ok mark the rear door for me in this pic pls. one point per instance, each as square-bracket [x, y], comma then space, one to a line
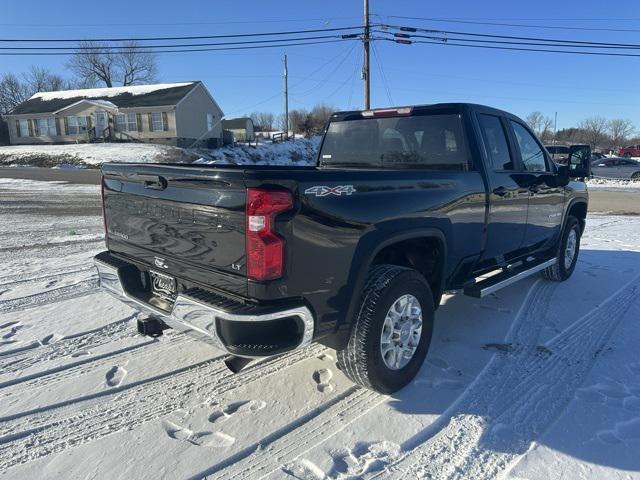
[546, 199]
[508, 201]
[181, 221]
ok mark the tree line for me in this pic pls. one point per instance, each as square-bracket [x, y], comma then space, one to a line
[596, 131]
[301, 121]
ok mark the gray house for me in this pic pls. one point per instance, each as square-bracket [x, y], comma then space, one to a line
[170, 113]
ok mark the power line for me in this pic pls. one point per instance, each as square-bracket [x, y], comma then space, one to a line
[228, 22]
[179, 45]
[552, 27]
[512, 42]
[382, 74]
[190, 37]
[188, 50]
[510, 37]
[573, 52]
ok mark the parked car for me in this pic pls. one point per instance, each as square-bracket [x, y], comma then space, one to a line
[355, 252]
[560, 153]
[597, 156]
[631, 151]
[616, 167]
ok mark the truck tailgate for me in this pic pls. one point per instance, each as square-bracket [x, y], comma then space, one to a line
[184, 221]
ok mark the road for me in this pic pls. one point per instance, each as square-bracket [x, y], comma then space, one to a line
[600, 201]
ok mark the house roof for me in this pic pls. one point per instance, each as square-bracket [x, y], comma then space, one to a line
[123, 97]
[236, 123]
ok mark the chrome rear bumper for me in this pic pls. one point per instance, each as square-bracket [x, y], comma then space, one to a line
[196, 318]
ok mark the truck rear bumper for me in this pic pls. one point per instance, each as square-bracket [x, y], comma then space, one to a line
[265, 332]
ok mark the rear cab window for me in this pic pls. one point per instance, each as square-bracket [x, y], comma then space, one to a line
[426, 141]
[495, 142]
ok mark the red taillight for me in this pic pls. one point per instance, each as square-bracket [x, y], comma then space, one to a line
[265, 248]
[104, 214]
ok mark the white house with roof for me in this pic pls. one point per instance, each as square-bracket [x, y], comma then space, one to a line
[181, 114]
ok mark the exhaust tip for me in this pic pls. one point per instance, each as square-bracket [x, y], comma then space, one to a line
[236, 364]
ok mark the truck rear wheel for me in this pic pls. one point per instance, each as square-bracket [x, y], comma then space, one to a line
[392, 330]
[568, 251]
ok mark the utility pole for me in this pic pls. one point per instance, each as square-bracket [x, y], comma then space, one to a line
[555, 127]
[286, 97]
[365, 66]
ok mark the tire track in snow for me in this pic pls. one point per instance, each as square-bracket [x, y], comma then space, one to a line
[79, 289]
[67, 346]
[26, 385]
[291, 441]
[515, 399]
[31, 435]
[20, 278]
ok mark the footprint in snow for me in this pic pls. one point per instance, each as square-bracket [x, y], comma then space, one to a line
[12, 332]
[364, 460]
[81, 353]
[322, 378]
[202, 439]
[115, 376]
[236, 408]
[8, 324]
[49, 339]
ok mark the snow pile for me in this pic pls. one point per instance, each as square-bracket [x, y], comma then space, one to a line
[107, 92]
[301, 152]
[91, 154]
[613, 184]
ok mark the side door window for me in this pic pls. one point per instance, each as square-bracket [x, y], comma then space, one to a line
[532, 155]
[495, 141]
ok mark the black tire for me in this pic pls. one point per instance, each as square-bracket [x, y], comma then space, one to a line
[627, 155]
[560, 272]
[635, 177]
[362, 360]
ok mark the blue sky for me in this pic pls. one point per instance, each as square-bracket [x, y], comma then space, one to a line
[574, 86]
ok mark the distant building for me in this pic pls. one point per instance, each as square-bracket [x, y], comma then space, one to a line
[168, 113]
[242, 128]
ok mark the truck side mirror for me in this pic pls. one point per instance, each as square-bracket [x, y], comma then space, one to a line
[579, 162]
[562, 177]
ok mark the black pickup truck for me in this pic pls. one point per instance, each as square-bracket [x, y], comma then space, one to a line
[355, 252]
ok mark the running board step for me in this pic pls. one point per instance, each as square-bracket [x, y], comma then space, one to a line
[492, 284]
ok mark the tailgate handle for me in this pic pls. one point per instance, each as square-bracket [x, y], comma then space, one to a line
[158, 183]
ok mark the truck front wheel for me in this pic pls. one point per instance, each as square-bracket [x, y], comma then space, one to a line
[567, 254]
[392, 330]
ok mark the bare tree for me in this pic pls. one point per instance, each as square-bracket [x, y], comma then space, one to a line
[39, 79]
[266, 121]
[320, 116]
[12, 92]
[97, 62]
[594, 129]
[136, 66]
[540, 124]
[620, 129]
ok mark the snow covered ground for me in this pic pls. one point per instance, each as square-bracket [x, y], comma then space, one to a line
[299, 152]
[91, 154]
[539, 381]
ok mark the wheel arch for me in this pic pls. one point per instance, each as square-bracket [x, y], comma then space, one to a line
[367, 251]
[578, 208]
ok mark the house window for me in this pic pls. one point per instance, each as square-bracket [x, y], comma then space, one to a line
[127, 122]
[77, 125]
[47, 127]
[157, 123]
[210, 124]
[24, 128]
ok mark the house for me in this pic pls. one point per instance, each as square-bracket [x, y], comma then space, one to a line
[181, 114]
[242, 128]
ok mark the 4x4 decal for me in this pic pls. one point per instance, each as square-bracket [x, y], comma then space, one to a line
[323, 190]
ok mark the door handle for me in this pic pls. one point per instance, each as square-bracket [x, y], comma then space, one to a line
[500, 191]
